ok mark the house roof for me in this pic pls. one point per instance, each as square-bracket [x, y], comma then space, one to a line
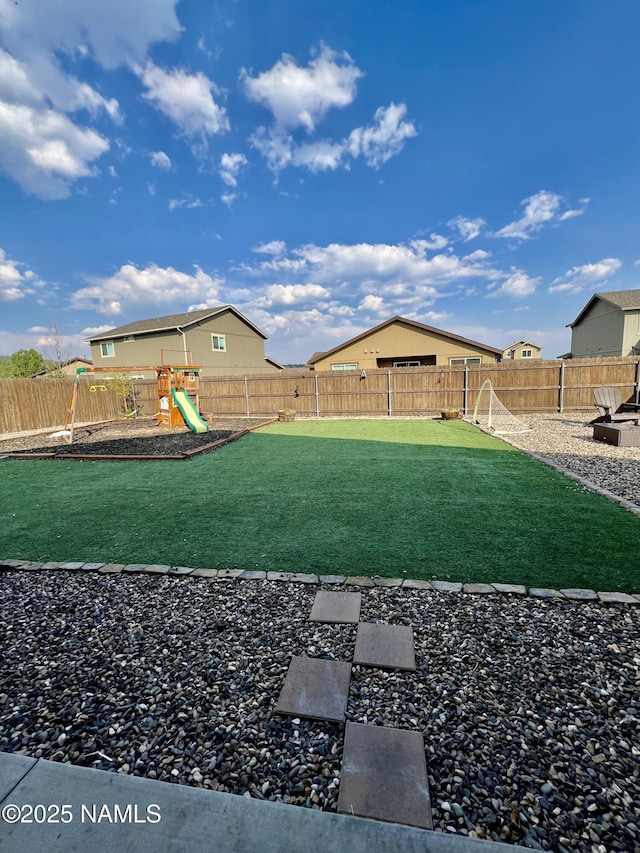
[66, 363]
[275, 363]
[625, 300]
[170, 323]
[524, 343]
[317, 356]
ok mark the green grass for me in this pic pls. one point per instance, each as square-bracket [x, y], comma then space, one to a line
[415, 498]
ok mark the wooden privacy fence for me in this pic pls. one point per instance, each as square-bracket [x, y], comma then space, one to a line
[33, 404]
[536, 386]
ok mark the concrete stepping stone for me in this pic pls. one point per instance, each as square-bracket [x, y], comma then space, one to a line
[385, 646]
[315, 688]
[343, 607]
[384, 776]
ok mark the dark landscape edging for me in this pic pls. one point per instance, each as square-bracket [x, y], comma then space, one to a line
[226, 575]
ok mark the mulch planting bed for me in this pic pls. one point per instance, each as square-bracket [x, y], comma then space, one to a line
[130, 439]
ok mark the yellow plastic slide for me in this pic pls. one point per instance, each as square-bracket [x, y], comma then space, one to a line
[189, 412]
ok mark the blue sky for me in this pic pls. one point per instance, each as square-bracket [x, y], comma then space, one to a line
[470, 164]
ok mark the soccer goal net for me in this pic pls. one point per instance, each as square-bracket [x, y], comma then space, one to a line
[490, 414]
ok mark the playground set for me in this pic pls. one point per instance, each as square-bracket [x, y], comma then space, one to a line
[178, 398]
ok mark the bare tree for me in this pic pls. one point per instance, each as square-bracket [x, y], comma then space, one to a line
[57, 352]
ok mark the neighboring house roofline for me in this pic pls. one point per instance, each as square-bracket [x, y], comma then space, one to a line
[523, 343]
[315, 357]
[397, 319]
[170, 323]
[274, 362]
[64, 363]
[625, 300]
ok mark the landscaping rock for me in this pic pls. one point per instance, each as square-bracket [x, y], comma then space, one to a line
[528, 708]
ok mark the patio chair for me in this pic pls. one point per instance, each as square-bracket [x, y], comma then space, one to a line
[610, 407]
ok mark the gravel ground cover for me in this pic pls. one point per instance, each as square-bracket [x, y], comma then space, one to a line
[129, 438]
[529, 709]
[567, 439]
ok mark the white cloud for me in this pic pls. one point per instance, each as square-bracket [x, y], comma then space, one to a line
[188, 202]
[16, 279]
[543, 208]
[382, 279]
[539, 209]
[161, 160]
[41, 149]
[275, 247]
[518, 285]
[230, 165]
[131, 287]
[228, 198]
[468, 229]
[318, 156]
[292, 294]
[478, 255]
[301, 96]
[112, 34]
[578, 278]
[569, 214]
[435, 241]
[90, 331]
[383, 140]
[434, 316]
[373, 304]
[186, 99]
[393, 265]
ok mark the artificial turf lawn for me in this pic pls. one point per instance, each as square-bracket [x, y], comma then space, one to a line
[407, 498]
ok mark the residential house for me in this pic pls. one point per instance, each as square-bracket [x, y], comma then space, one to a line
[608, 325]
[67, 368]
[221, 340]
[521, 349]
[399, 342]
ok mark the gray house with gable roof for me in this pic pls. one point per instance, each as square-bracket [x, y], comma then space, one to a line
[221, 340]
[608, 325]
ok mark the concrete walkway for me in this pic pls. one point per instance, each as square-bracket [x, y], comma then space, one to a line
[81, 809]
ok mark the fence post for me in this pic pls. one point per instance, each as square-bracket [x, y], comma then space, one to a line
[561, 388]
[465, 390]
[315, 376]
[246, 394]
[388, 393]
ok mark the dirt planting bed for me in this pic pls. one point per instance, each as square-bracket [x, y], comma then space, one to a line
[135, 439]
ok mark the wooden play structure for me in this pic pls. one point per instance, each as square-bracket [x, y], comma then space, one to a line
[178, 399]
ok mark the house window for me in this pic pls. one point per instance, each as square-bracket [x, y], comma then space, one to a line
[406, 364]
[218, 343]
[107, 349]
[527, 353]
[344, 367]
[473, 360]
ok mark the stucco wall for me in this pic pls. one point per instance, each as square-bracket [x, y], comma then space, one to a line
[600, 332]
[244, 349]
[401, 342]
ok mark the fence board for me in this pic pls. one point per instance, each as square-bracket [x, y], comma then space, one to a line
[28, 404]
[32, 404]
